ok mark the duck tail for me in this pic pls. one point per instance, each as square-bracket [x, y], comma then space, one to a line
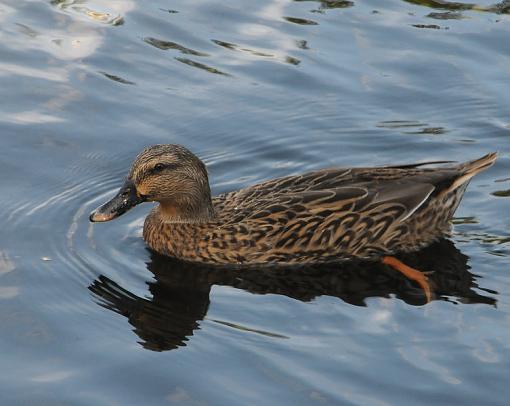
[478, 165]
[472, 168]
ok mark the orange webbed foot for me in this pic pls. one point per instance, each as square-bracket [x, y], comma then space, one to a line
[411, 273]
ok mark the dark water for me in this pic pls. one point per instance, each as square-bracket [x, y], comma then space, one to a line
[258, 89]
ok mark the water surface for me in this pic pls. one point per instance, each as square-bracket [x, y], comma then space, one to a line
[258, 90]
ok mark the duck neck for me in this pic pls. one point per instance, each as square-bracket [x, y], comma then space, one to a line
[186, 210]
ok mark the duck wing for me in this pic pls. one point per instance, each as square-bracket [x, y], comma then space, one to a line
[336, 222]
[365, 197]
[342, 213]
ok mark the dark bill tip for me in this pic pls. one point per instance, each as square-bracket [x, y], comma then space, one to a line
[123, 201]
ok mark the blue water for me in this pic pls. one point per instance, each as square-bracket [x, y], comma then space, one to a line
[257, 89]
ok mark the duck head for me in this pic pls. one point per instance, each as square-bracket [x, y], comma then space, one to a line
[169, 174]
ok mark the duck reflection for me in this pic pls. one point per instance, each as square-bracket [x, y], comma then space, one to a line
[180, 291]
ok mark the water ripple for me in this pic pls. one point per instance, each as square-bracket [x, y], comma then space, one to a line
[368, 89]
[165, 45]
[502, 7]
[201, 66]
[258, 53]
[77, 8]
[117, 79]
[300, 21]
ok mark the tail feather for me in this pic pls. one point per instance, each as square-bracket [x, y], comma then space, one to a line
[480, 164]
[471, 168]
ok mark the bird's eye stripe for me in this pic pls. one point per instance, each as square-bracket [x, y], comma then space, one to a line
[160, 166]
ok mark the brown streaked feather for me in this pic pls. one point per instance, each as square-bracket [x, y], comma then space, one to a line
[472, 168]
[322, 216]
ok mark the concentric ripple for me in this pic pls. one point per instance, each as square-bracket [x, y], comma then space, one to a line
[257, 89]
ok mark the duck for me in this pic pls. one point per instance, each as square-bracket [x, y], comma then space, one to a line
[329, 215]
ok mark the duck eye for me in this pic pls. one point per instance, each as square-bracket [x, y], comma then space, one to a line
[159, 167]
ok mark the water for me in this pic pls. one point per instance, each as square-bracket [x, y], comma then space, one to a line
[258, 90]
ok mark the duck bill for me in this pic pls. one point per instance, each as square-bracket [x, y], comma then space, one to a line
[124, 200]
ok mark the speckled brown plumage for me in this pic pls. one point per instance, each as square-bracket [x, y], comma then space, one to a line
[323, 216]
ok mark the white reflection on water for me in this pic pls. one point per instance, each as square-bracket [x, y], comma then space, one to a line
[420, 358]
[51, 74]
[6, 264]
[70, 39]
[280, 42]
[52, 376]
[8, 292]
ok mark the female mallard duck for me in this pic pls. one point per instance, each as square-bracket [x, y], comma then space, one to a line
[323, 216]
